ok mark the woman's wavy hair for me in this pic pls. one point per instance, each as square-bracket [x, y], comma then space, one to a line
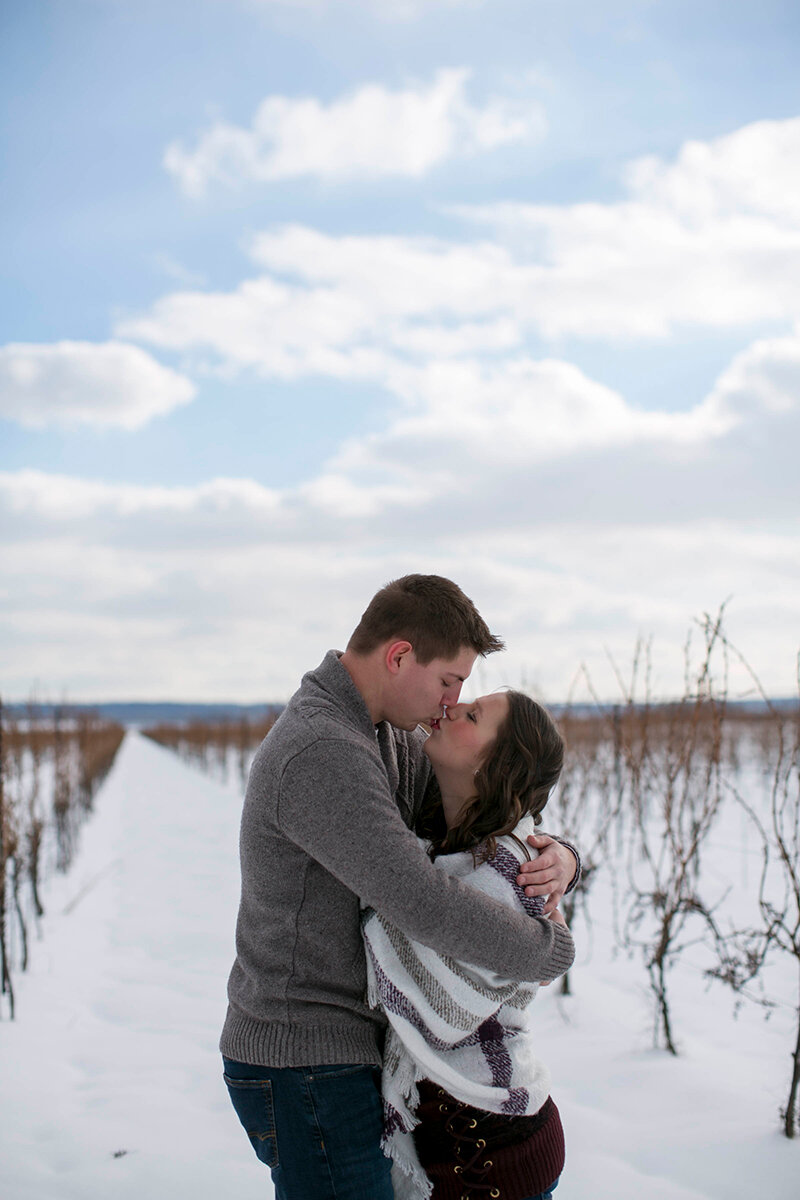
[516, 777]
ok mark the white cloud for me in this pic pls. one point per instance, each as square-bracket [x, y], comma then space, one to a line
[88, 383]
[696, 244]
[507, 430]
[38, 504]
[525, 443]
[541, 491]
[360, 305]
[284, 331]
[104, 610]
[510, 442]
[764, 376]
[756, 170]
[370, 133]
[528, 412]
[712, 239]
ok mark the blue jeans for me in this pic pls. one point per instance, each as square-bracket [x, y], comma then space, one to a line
[548, 1194]
[318, 1129]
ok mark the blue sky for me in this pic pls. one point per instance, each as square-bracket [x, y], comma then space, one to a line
[297, 297]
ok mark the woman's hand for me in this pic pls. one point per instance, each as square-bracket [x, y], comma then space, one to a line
[550, 873]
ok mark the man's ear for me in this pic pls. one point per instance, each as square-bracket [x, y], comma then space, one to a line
[394, 655]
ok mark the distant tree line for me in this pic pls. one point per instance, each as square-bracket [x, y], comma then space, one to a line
[213, 745]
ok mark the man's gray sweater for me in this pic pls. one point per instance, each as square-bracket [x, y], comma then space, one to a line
[326, 821]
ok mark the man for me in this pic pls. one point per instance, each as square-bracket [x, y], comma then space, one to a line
[332, 794]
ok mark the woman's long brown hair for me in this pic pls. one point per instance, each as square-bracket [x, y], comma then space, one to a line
[516, 777]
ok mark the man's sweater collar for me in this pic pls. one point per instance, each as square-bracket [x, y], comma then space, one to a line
[335, 680]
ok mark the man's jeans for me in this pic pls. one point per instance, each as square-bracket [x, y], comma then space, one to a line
[318, 1129]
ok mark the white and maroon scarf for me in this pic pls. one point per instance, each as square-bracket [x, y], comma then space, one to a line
[463, 1027]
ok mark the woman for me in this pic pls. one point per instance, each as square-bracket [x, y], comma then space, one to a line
[459, 1064]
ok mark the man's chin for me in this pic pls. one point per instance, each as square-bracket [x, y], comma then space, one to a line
[410, 725]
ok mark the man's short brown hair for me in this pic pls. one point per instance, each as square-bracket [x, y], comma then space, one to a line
[430, 612]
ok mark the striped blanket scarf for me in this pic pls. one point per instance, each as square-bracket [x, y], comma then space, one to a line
[462, 1027]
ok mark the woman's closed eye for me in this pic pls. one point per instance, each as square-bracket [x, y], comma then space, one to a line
[472, 717]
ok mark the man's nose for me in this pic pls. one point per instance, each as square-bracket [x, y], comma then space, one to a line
[450, 696]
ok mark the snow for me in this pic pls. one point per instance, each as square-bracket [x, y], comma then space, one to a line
[114, 1047]
[111, 1078]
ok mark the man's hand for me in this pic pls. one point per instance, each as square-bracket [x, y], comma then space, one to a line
[550, 873]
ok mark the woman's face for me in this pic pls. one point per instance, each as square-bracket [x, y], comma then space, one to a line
[463, 737]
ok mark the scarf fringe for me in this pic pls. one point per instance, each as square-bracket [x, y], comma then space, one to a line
[409, 1180]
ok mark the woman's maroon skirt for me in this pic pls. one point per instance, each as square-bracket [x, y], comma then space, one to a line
[470, 1154]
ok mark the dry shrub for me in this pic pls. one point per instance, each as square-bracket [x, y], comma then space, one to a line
[75, 753]
[209, 744]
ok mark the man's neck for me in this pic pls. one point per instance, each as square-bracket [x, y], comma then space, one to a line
[362, 672]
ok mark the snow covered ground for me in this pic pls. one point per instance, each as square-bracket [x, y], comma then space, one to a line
[111, 1086]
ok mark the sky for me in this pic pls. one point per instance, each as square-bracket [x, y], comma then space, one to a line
[299, 296]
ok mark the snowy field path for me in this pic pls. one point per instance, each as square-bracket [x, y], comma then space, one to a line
[115, 1043]
[110, 1084]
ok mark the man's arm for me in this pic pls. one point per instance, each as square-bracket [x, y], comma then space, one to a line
[341, 813]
